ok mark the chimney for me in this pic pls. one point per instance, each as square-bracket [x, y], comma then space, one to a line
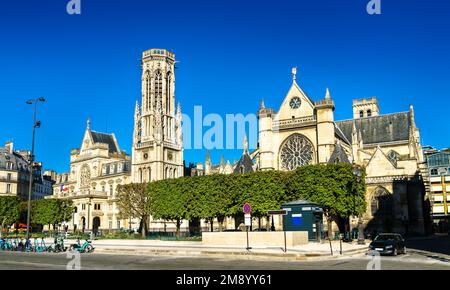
[10, 147]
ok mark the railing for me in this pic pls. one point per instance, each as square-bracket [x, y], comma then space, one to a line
[324, 102]
[291, 123]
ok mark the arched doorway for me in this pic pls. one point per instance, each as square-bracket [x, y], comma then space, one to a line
[96, 225]
[83, 224]
[382, 210]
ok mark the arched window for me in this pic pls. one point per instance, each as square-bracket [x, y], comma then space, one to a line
[369, 113]
[296, 151]
[168, 81]
[147, 91]
[158, 87]
[85, 175]
[140, 176]
[361, 114]
[149, 174]
[175, 173]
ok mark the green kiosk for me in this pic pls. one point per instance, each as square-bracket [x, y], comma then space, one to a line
[303, 215]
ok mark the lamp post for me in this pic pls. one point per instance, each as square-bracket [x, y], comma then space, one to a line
[361, 238]
[36, 124]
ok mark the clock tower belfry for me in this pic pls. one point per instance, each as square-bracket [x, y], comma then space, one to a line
[157, 137]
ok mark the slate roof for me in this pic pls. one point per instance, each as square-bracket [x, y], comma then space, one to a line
[379, 129]
[341, 135]
[245, 163]
[18, 161]
[106, 139]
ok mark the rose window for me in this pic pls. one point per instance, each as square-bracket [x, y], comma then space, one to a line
[295, 152]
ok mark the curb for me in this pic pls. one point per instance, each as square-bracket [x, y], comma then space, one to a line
[228, 254]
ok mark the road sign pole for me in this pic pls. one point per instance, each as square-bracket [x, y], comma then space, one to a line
[285, 248]
[248, 246]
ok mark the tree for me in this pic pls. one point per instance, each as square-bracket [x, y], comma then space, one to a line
[51, 211]
[133, 203]
[9, 210]
[168, 202]
[334, 186]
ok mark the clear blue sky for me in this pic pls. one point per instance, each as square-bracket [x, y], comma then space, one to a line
[232, 53]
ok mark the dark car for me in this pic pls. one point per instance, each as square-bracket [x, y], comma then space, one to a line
[389, 244]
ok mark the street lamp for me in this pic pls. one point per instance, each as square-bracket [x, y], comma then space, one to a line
[361, 238]
[36, 124]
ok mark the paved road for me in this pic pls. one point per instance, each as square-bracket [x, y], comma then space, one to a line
[38, 261]
[425, 253]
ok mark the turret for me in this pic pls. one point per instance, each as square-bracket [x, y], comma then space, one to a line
[325, 127]
[265, 119]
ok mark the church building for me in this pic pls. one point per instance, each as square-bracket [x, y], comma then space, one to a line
[304, 132]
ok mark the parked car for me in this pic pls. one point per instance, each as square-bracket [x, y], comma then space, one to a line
[390, 244]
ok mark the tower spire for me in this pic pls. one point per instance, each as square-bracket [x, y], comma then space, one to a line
[88, 124]
[294, 74]
[411, 113]
[245, 144]
[327, 95]
[262, 106]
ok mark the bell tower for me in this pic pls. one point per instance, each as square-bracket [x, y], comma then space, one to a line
[157, 139]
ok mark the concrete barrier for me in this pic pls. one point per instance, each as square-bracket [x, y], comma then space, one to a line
[256, 239]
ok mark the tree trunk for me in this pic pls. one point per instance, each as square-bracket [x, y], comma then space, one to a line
[178, 229]
[330, 227]
[220, 220]
[259, 222]
[1, 229]
[268, 223]
[212, 225]
[144, 227]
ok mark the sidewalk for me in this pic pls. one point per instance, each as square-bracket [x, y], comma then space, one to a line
[196, 249]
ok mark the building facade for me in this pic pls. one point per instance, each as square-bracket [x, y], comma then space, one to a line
[439, 168]
[303, 131]
[96, 169]
[15, 174]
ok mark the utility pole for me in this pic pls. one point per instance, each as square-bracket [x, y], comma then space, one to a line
[36, 124]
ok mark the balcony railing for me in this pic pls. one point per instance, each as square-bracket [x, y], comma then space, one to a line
[294, 123]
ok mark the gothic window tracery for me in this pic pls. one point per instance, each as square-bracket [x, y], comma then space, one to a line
[158, 87]
[85, 175]
[296, 151]
[393, 157]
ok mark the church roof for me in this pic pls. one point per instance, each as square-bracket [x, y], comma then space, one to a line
[341, 135]
[379, 129]
[104, 138]
[245, 163]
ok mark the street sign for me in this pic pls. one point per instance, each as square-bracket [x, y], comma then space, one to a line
[247, 208]
[248, 220]
[277, 212]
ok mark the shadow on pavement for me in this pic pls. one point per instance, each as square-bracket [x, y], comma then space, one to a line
[433, 244]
